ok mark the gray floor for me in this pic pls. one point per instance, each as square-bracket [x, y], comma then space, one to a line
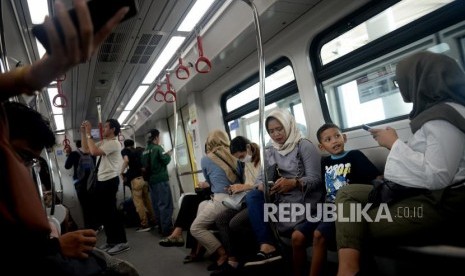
[152, 259]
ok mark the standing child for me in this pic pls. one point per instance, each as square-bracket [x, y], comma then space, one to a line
[340, 168]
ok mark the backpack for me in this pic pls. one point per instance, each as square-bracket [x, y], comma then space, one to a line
[85, 165]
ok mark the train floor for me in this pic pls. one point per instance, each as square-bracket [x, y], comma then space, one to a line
[152, 259]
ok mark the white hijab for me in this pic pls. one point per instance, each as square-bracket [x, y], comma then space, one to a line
[293, 135]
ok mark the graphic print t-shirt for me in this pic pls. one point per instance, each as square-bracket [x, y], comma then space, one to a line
[352, 167]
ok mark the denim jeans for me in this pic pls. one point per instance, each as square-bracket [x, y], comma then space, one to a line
[162, 203]
[255, 204]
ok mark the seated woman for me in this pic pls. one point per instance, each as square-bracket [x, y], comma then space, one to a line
[186, 215]
[221, 169]
[233, 223]
[430, 166]
[298, 181]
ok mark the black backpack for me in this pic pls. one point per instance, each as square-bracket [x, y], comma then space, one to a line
[85, 165]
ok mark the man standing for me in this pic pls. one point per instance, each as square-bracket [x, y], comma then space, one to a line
[109, 165]
[160, 191]
[139, 187]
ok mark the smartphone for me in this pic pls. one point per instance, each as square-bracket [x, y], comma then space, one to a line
[100, 12]
[366, 127]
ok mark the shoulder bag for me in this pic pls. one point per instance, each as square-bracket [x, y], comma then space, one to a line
[92, 180]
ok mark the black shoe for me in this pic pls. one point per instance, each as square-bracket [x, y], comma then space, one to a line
[263, 258]
[214, 266]
[225, 269]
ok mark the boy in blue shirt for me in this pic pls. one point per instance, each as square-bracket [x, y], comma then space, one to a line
[340, 168]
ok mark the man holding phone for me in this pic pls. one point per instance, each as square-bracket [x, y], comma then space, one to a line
[159, 184]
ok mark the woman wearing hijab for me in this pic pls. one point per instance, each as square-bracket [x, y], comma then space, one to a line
[432, 162]
[221, 170]
[297, 166]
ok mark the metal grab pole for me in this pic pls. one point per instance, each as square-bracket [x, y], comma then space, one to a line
[261, 106]
[175, 152]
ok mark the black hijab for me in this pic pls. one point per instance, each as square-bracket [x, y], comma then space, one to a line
[429, 80]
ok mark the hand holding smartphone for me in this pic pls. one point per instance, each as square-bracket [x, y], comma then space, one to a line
[100, 12]
[366, 127]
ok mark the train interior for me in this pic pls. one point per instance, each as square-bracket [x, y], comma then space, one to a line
[325, 60]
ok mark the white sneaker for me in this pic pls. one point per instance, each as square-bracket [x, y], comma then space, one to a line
[143, 229]
[118, 248]
[105, 247]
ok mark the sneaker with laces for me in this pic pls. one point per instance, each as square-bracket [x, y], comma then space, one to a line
[263, 258]
[118, 248]
[143, 229]
[105, 247]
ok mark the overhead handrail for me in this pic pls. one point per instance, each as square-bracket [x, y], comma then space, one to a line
[60, 99]
[182, 69]
[201, 59]
[190, 173]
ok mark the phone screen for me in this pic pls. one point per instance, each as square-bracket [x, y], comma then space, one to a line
[100, 13]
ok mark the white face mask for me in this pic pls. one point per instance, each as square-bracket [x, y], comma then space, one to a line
[247, 158]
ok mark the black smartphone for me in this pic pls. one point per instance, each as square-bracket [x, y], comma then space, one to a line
[100, 12]
[366, 127]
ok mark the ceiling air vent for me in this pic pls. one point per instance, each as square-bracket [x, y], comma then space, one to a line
[111, 48]
[147, 45]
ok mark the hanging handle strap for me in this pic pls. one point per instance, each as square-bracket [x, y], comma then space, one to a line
[182, 70]
[60, 99]
[202, 60]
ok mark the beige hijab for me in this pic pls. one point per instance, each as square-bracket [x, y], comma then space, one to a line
[293, 135]
[218, 142]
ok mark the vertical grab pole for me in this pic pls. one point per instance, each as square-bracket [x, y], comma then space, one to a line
[175, 152]
[99, 113]
[261, 105]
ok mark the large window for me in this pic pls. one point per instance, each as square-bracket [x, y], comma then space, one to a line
[355, 70]
[240, 104]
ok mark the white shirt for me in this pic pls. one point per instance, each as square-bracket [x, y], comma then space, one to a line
[433, 158]
[111, 163]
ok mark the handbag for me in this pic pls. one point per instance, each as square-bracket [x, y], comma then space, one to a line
[272, 172]
[385, 191]
[92, 180]
[235, 201]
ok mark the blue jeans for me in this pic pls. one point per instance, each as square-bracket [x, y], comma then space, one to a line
[162, 202]
[255, 204]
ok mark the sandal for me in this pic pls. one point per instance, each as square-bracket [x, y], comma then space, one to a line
[168, 242]
[192, 259]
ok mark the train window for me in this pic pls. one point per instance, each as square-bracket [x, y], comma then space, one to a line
[357, 85]
[272, 82]
[247, 125]
[240, 104]
[385, 22]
